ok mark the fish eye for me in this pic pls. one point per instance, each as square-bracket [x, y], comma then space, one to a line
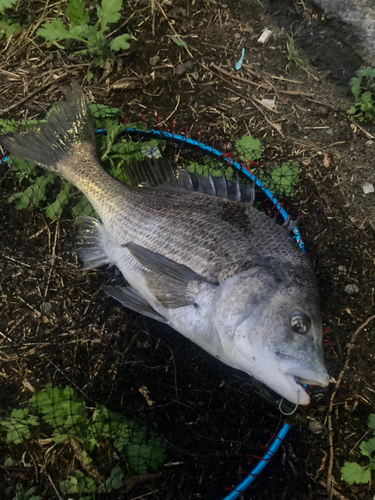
[300, 322]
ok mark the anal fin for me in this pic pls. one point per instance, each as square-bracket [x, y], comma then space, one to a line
[90, 237]
[130, 299]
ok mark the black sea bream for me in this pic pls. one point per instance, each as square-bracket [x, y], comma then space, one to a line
[217, 270]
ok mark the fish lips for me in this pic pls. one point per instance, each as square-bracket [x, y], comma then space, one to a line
[300, 373]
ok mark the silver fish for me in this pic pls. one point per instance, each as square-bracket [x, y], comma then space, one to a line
[215, 269]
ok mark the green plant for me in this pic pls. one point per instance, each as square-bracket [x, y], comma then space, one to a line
[113, 155]
[248, 149]
[210, 165]
[292, 52]
[7, 26]
[66, 418]
[24, 493]
[352, 472]
[363, 89]
[92, 36]
[18, 425]
[282, 179]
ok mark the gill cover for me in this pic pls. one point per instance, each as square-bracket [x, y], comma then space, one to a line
[246, 294]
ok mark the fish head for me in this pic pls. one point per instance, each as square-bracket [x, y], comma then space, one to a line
[269, 324]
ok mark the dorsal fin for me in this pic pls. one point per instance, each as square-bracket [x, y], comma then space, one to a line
[159, 173]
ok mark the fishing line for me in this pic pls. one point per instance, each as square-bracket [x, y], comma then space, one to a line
[283, 412]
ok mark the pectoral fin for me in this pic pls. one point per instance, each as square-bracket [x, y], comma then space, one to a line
[130, 299]
[172, 284]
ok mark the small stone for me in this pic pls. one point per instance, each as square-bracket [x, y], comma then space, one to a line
[269, 102]
[315, 426]
[351, 289]
[342, 270]
[368, 188]
[369, 142]
[154, 60]
[46, 307]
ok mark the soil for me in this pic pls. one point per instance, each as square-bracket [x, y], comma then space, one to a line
[210, 417]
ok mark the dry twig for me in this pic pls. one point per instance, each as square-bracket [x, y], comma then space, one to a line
[38, 90]
[340, 377]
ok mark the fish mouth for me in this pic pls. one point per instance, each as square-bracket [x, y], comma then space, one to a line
[298, 373]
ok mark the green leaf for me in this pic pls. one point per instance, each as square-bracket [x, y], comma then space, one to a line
[53, 31]
[114, 482]
[18, 425]
[55, 209]
[34, 194]
[8, 126]
[89, 75]
[281, 180]
[84, 207]
[371, 421]
[210, 165]
[354, 473]
[179, 43]
[69, 486]
[367, 447]
[121, 42]
[8, 27]
[108, 12]
[142, 456]
[75, 12]
[78, 484]
[248, 148]
[352, 110]
[102, 111]
[61, 408]
[6, 4]
[21, 167]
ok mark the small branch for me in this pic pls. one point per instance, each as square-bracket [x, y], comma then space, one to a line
[38, 90]
[171, 26]
[341, 375]
[258, 85]
[273, 125]
[174, 111]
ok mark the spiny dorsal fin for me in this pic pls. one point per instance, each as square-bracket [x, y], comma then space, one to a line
[159, 173]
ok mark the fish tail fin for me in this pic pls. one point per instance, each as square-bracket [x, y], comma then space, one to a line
[69, 131]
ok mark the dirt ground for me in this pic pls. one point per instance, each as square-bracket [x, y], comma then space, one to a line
[209, 415]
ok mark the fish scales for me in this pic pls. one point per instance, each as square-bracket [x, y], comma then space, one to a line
[218, 271]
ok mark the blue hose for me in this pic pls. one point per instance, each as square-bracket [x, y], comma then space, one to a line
[260, 465]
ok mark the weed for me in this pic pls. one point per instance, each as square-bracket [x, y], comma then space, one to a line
[292, 52]
[24, 493]
[352, 472]
[64, 416]
[281, 179]
[113, 154]
[92, 36]
[7, 26]
[248, 149]
[363, 88]
[179, 42]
